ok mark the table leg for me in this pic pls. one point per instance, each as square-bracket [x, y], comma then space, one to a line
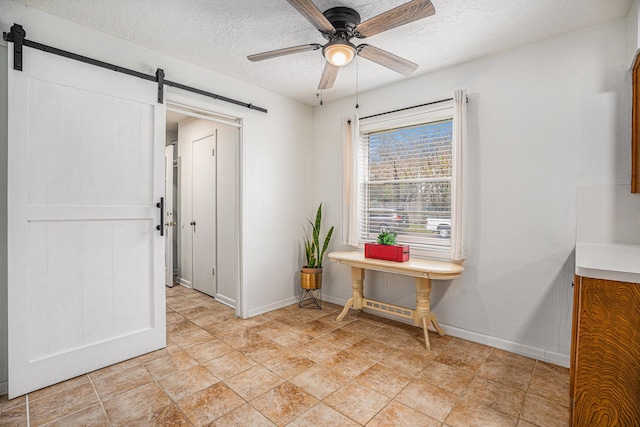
[357, 292]
[345, 310]
[425, 324]
[424, 316]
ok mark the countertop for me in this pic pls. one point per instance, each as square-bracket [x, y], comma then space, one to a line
[609, 261]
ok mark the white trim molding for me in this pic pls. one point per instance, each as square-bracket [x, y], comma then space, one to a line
[270, 307]
[225, 300]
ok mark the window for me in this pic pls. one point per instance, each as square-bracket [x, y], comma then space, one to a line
[405, 168]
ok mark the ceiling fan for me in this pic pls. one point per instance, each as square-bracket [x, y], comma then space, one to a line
[340, 24]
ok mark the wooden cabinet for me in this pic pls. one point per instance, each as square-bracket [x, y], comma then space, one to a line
[605, 353]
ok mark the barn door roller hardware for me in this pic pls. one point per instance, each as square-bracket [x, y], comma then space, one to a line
[160, 80]
[17, 37]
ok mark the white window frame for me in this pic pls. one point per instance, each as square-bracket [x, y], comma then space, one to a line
[420, 115]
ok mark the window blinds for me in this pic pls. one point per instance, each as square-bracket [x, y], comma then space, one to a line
[405, 180]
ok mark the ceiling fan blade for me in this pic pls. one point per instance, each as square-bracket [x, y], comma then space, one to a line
[310, 11]
[401, 15]
[329, 75]
[281, 52]
[387, 59]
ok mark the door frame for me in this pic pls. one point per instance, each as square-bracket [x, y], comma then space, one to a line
[204, 107]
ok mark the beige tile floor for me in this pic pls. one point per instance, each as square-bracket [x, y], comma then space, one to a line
[299, 367]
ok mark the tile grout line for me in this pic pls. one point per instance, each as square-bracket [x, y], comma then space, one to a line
[533, 371]
[104, 411]
[155, 380]
[391, 399]
[464, 392]
[27, 409]
[79, 410]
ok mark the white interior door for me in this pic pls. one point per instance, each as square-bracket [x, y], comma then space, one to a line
[203, 223]
[85, 262]
[168, 216]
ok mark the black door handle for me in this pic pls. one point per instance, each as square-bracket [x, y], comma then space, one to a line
[160, 227]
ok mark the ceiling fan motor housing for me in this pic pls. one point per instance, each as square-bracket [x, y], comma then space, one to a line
[344, 20]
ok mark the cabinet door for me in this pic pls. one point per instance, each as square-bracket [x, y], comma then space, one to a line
[606, 378]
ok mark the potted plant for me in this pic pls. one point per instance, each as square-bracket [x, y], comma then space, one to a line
[311, 274]
[386, 248]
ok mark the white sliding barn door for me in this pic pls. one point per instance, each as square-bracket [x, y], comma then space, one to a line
[85, 262]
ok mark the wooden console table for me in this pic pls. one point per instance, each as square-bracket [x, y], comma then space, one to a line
[423, 270]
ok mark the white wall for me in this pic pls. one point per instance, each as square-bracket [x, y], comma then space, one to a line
[3, 220]
[543, 119]
[170, 136]
[608, 214]
[633, 35]
[275, 201]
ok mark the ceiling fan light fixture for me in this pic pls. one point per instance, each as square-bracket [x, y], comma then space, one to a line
[339, 52]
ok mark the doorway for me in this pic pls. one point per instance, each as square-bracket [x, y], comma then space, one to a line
[206, 246]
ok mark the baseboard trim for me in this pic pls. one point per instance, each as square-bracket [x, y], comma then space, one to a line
[225, 300]
[183, 282]
[273, 306]
[510, 346]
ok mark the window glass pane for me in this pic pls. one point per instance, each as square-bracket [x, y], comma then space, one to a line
[406, 183]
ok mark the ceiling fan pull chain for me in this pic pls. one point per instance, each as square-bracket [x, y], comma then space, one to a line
[357, 84]
[321, 89]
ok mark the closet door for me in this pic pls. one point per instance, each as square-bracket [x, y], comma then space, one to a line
[204, 223]
[85, 261]
[168, 215]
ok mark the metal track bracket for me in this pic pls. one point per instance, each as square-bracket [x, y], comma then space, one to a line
[16, 36]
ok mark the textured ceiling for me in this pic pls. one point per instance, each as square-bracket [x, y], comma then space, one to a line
[219, 34]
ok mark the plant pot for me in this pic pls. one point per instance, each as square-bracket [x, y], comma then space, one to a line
[397, 253]
[311, 278]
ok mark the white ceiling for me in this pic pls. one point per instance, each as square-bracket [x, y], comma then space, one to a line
[219, 34]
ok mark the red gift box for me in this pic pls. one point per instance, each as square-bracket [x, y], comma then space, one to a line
[398, 253]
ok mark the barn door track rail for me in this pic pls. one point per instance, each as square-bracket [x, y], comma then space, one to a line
[17, 37]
